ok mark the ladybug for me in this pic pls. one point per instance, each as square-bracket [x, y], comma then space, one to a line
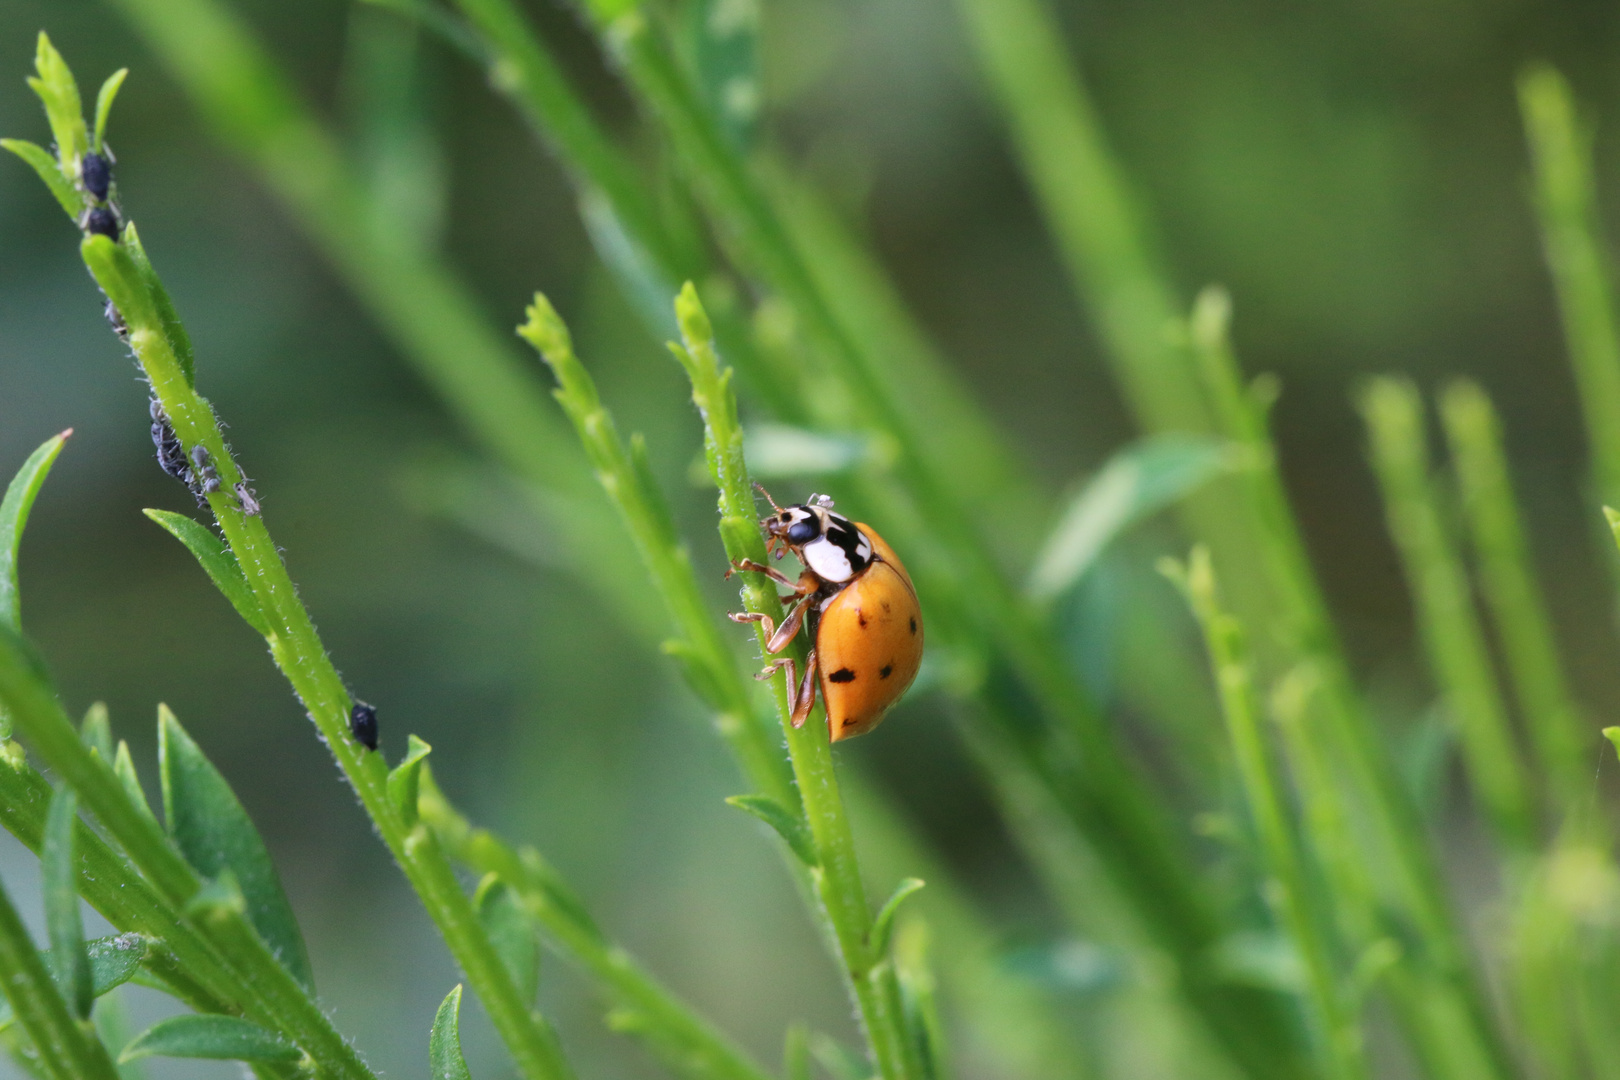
[861, 609]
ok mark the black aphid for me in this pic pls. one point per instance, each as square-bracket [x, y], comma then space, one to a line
[100, 221]
[363, 725]
[202, 468]
[95, 171]
[170, 454]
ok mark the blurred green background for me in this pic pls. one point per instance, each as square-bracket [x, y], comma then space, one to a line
[1353, 171]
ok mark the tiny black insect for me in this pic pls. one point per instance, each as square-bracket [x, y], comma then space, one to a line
[363, 725]
[115, 319]
[95, 170]
[100, 221]
[202, 468]
[170, 454]
[245, 499]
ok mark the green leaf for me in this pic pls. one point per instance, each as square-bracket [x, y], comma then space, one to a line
[214, 834]
[796, 1053]
[114, 961]
[96, 730]
[104, 103]
[511, 933]
[14, 508]
[444, 1044]
[50, 172]
[723, 39]
[217, 1038]
[837, 1060]
[788, 825]
[168, 317]
[218, 563]
[218, 898]
[404, 782]
[124, 769]
[883, 925]
[60, 93]
[1135, 483]
[1613, 735]
[115, 271]
[70, 963]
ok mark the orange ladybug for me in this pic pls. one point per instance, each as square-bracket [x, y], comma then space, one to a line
[861, 608]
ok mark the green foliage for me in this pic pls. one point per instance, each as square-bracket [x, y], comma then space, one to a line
[444, 1042]
[214, 833]
[510, 932]
[784, 822]
[218, 1038]
[14, 509]
[217, 562]
[70, 961]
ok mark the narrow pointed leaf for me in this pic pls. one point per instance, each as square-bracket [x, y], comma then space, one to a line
[114, 961]
[883, 925]
[104, 103]
[1613, 735]
[96, 730]
[70, 962]
[49, 171]
[14, 509]
[217, 1038]
[59, 92]
[217, 562]
[788, 825]
[444, 1044]
[404, 782]
[124, 769]
[511, 933]
[1138, 481]
[173, 328]
[214, 834]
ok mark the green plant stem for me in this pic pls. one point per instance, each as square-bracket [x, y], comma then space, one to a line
[1344, 743]
[681, 1038]
[1308, 921]
[1450, 627]
[1516, 603]
[297, 650]
[837, 876]
[68, 1049]
[625, 476]
[1571, 236]
[278, 1001]
[423, 308]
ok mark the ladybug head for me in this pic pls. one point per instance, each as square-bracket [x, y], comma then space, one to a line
[794, 526]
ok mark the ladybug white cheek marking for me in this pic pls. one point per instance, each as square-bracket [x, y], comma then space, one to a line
[828, 560]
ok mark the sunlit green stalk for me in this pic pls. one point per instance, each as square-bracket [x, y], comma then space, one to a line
[1516, 603]
[1302, 908]
[276, 998]
[1571, 236]
[687, 1043]
[68, 1048]
[836, 876]
[1450, 627]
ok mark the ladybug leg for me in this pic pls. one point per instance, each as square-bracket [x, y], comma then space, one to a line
[789, 628]
[752, 616]
[760, 568]
[805, 698]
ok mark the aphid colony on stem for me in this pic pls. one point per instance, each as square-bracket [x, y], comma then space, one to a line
[861, 609]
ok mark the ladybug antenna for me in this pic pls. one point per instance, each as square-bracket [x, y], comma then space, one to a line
[759, 487]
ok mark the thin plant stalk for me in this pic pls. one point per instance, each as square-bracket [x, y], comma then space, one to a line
[68, 1048]
[1517, 607]
[1339, 731]
[1572, 239]
[685, 1041]
[1452, 635]
[276, 997]
[1301, 908]
[836, 875]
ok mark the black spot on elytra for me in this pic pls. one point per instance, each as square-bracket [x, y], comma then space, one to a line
[842, 675]
[913, 624]
[887, 669]
[862, 618]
